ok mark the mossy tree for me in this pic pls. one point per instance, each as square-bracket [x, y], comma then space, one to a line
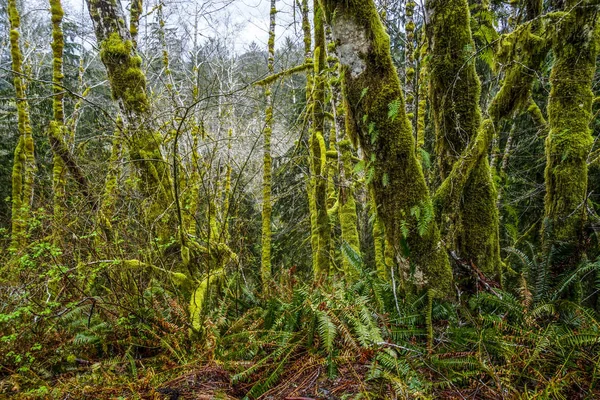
[318, 150]
[57, 125]
[346, 204]
[128, 85]
[471, 229]
[267, 207]
[24, 159]
[377, 119]
[575, 44]
[410, 61]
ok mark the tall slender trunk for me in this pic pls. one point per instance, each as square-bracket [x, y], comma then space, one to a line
[410, 62]
[377, 119]
[265, 268]
[24, 161]
[57, 125]
[314, 238]
[317, 149]
[345, 196]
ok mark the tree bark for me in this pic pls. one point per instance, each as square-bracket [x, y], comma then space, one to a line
[378, 121]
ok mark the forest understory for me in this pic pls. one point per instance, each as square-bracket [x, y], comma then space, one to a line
[300, 200]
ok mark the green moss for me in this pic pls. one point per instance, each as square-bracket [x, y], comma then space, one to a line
[265, 268]
[470, 217]
[522, 51]
[128, 82]
[57, 126]
[347, 206]
[370, 85]
[575, 46]
[317, 154]
[134, 20]
[24, 162]
[273, 77]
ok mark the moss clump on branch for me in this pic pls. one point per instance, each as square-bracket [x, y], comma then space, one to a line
[127, 80]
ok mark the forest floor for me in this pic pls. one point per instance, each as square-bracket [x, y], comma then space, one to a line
[304, 379]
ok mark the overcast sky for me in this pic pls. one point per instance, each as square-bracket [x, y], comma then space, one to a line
[251, 17]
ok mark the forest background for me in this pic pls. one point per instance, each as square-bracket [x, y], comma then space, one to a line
[364, 199]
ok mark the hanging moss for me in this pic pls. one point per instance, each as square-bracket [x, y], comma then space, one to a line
[371, 86]
[575, 46]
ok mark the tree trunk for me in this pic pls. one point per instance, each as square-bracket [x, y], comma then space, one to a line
[575, 46]
[377, 119]
[128, 85]
[265, 268]
[318, 150]
[24, 161]
[472, 228]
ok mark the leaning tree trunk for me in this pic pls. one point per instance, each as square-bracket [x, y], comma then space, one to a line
[377, 119]
[128, 85]
[472, 229]
[575, 46]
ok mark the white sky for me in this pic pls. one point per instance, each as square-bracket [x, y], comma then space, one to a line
[251, 17]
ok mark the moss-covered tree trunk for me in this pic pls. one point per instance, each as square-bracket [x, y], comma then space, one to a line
[472, 229]
[128, 85]
[575, 46]
[411, 64]
[265, 267]
[306, 30]
[24, 161]
[346, 204]
[57, 125]
[377, 118]
[318, 150]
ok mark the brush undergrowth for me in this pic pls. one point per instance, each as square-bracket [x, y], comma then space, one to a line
[529, 344]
